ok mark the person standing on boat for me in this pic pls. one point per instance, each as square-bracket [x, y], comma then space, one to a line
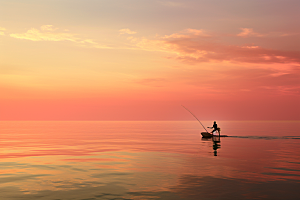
[216, 128]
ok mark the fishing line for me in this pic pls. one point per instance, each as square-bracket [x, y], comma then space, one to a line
[195, 117]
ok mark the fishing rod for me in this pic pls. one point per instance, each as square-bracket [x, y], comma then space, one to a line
[195, 117]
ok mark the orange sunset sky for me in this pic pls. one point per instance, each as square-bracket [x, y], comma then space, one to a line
[143, 59]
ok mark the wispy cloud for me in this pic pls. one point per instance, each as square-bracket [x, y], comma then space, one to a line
[2, 30]
[195, 46]
[50, 33]
[188, 33]
[248, 32]
[46, 34]
[36, 35]
[127, 31]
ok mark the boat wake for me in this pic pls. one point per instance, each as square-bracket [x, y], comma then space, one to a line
[269, 137]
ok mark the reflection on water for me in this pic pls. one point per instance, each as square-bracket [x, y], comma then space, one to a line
[216, 146]
[148, 160]
[215, 140]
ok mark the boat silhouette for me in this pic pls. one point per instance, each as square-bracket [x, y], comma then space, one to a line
[210, 135]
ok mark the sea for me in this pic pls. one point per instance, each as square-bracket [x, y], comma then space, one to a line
[90, 160]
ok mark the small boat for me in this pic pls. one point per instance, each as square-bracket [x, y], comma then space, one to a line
[206, 135]
[210, 135]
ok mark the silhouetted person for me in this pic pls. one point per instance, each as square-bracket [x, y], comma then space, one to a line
[216, 128]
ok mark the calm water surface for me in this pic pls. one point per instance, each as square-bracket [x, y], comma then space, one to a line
[148, 160]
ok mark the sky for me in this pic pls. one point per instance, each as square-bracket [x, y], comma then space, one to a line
[143, 59]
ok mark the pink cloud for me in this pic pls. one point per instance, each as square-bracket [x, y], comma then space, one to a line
[199, 49]
[196, 46]
[213, 51]
[188, 33]
[248, 32]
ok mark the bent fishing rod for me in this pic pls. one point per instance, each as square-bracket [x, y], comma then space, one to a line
[195, 117]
